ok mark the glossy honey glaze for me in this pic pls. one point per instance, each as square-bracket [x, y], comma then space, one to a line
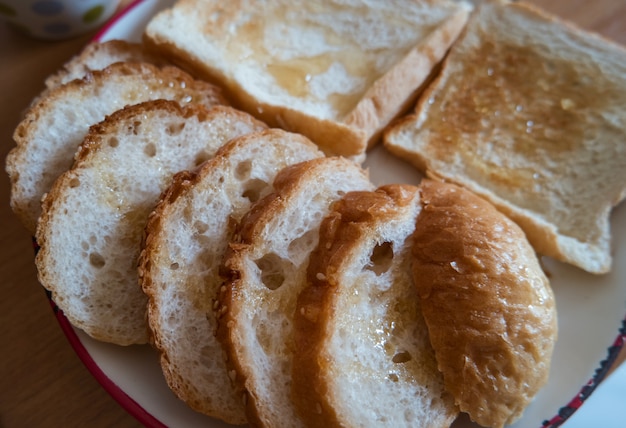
[514, 115]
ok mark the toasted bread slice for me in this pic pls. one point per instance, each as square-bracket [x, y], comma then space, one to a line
[97, 56]
[335, 71]
[363, 355]
[488, 305]
[48, 136]
[528, 113]
[186, 238]
[265, 269]
[93, 217]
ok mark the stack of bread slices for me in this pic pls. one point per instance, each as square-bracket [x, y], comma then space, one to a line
[206, 195]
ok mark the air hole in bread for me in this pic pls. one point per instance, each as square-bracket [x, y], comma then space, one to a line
[74, 182]
[187, 213]
[263, 336]
[175, 128]
[113, 142]
[174, 266]
[96, 260]
[393, 377]
[201, 157]
[303, 244]
[200, 227]
[272, 274]
[402, 357]
[253, 188]
[150, 150]
[243, 169]
[135, 128]
[381, 258]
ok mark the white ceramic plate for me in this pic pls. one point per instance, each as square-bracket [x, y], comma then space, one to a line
[591, 314]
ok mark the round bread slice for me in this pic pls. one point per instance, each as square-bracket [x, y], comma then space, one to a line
[186, 238]
[53, 128]
[488, 305]
[93, 218]
[99, 55]
[363, 355]
[265, 270]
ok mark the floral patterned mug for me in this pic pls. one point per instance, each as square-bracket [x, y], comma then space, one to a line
[56, 19]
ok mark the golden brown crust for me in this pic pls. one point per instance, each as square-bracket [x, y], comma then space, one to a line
[251, 224]
[325, 133]
[309, 390]
[388, 97]
[99, 131]
[180, 184]
[486, 132]
[396, 92]
[339, 233]
[228, 305]
[225, 317]
[27, 208]
[114, 50]
[488, 305]
[226, 308]
[236, 295]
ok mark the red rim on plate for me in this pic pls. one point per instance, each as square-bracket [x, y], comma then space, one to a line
[111, 22]
[599, 375]
[147, 419]
[124, 400]
[143, 416]
[130, 405]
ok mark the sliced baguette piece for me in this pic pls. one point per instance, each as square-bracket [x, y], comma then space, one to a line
[488, 305]
[528, 113]
[93, 217]
[99, 55]
[363, 355]
[185, 241]
[265, 268]
[335, 71]
[49, 135]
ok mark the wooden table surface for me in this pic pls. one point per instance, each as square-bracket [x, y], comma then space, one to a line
[42, 381]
